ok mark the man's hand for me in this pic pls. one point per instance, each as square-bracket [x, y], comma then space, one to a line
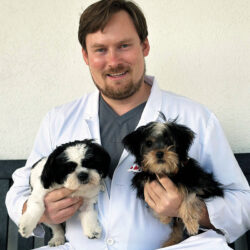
[58, 206]
[163, 197]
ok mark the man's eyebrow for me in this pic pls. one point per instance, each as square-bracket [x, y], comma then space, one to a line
[99, 45]
[126, 41]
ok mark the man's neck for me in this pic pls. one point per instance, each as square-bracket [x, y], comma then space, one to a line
[121, 107]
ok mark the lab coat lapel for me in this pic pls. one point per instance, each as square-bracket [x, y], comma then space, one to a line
[154, 103]
[151, 110]
[91, 116]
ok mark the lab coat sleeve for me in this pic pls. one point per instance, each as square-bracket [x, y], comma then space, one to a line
[231, 214]
[20, 190]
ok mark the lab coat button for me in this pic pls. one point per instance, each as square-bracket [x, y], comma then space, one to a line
[110, 241]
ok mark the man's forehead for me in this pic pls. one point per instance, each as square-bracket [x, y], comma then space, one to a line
[119, 28]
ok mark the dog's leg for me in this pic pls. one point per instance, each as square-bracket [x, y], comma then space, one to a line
[33, 213]
[89, 220]
[58, 235]
[163, 219]
[190, 212]
[176, 235]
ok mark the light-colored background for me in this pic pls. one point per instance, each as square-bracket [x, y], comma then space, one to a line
[199, 48]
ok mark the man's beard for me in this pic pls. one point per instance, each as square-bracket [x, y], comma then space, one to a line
[125, 92]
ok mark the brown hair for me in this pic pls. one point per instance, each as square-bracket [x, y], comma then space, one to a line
[97, 15]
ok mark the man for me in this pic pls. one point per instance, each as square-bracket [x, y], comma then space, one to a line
[113, 35]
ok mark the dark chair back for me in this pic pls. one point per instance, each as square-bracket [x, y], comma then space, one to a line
[9, 236]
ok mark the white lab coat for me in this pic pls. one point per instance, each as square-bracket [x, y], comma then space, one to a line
[126, 221]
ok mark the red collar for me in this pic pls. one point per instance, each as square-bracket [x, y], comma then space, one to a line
[135, 168]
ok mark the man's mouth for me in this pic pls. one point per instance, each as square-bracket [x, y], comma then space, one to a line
[117, 75]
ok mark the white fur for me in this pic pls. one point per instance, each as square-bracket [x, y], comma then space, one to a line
[158, 128]
[75, 152]
[89, 192]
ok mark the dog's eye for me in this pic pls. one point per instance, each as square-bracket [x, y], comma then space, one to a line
[149, 143]
[71, 166]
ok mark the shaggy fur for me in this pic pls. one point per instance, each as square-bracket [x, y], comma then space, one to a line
[162, 149]
[79, 166]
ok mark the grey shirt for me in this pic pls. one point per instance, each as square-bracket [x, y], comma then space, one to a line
[113, 128]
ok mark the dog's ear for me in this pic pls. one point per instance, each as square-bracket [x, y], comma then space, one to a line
[132, 142]
[47, 177]
[105, 164]
[183, 137]
[100, 158]
[51, 170]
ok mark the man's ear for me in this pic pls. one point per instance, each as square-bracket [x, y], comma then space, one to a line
[145, 47]
[85, 56]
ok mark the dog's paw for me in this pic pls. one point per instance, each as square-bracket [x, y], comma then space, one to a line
[102, 187]
[93, 232]
[27, 225]
[25, 230]
[56, 241]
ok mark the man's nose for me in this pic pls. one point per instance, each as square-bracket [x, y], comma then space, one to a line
[113, 59]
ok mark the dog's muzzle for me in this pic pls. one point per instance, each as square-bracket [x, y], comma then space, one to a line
[83, 177]
[159, 155]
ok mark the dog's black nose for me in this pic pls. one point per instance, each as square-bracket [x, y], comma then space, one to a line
[159, 154]
[83, 177]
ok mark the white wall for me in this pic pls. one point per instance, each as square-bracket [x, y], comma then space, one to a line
[200, 49]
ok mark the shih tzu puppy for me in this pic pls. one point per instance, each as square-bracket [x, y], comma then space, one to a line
[161, 149]
[79, 166]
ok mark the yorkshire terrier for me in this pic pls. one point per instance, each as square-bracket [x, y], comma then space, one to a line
[161, 149]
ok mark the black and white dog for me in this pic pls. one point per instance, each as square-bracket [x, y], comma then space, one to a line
[162, 149]
[79, 166]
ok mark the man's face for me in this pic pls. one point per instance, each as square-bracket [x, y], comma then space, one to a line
[115, 57]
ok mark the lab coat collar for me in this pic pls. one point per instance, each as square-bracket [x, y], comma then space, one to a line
[92, 106]
[154, 103]
[91, 116]
[152, 107]
[151, 110]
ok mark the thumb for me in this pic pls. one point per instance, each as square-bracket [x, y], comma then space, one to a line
[166, 183]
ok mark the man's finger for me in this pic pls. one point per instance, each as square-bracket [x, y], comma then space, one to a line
[155, 190]
[66, 213]
[147, 197]
[64, 203]
[166, 183]
[58, 194]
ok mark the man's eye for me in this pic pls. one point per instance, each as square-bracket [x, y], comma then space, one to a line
[124, 46]
[100, 50]
[149, 143]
